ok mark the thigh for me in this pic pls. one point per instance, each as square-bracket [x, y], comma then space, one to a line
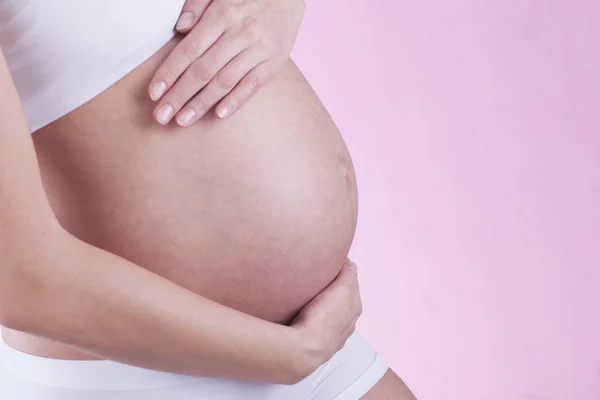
[390, 387]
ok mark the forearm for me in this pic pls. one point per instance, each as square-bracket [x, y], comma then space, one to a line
[58, 287]
[93, 300]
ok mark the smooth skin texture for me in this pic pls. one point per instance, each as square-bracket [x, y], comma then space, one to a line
[55, 286]
[232, 48]
[225, 77]
[390, 387]
[253, 213]
[89, 150]
[213, 72]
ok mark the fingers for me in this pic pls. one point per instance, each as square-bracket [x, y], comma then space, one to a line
[247, 87]
[266, 29]
[347, 288]
[191, 13]
[190, 49]
[224, 81]
[333, 313]
[354, 295]
[211, 65]
[344, 291]
[352, 265]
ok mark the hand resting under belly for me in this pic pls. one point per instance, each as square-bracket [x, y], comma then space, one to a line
[256, 212]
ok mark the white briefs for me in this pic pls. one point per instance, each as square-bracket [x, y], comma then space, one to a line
[351, 373]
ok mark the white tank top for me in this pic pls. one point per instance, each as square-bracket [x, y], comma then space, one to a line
[62, 53]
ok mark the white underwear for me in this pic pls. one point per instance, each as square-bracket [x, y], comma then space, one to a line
[350, 374]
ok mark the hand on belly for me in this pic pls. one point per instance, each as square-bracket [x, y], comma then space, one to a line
[256, 212]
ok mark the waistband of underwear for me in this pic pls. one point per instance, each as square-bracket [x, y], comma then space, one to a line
[85, 374]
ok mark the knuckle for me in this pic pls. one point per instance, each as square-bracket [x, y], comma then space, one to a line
[272, 47]
[231, 13]
[251, 29]
[254, 82]
[166, 75]
[201, 71]
[174, 98]
[192, 49]
[225, 80]
[199, 105]
[170, 70]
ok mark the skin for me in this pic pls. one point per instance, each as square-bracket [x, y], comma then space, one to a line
[254, 40]
[390, 387]
[71, 236]
[230, 50]
[101, 203]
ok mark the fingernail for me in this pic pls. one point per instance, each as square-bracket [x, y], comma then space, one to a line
[224, 111]
[185, 20]
[186, 117]
[158, 90]
[164, 114]
[353, 267]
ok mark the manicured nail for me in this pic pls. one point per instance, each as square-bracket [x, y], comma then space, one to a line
[158, 90]
[185, 20]
[186, 117]
[164, 114]
[224, 111]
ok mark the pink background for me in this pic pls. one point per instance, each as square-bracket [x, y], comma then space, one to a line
[475, 130]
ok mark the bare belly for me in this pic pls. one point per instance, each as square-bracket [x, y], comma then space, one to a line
[256, 212]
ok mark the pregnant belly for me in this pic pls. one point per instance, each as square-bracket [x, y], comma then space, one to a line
[256, 212]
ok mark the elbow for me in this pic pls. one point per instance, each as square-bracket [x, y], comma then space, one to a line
[11, 316]
[26, 291]
[18, 299]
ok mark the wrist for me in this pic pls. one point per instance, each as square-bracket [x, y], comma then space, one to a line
[306, 353]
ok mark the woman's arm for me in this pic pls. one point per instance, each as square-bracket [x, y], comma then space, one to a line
[58, 287]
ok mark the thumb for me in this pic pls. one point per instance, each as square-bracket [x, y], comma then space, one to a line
[190, 14]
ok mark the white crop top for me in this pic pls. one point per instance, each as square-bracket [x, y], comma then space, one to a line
[63, 53]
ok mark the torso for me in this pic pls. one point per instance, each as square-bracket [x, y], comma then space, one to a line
[256, 212]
